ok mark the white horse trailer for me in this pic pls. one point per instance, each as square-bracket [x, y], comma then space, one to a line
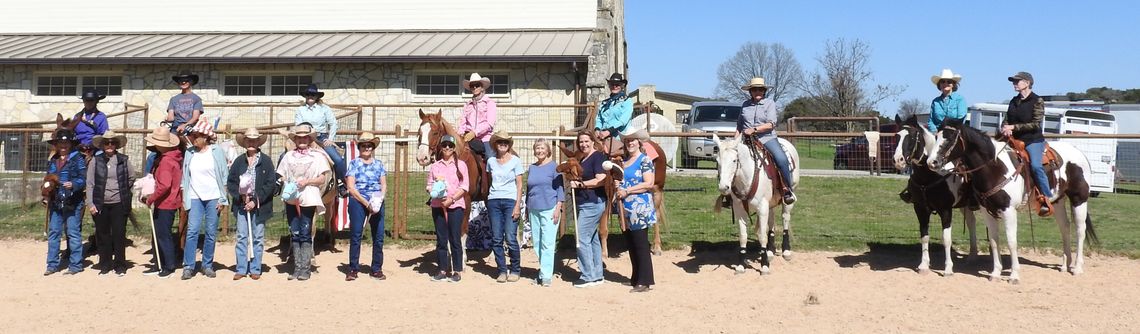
[1100, 152]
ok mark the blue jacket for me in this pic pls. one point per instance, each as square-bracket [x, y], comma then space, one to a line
[614, 113]
[220, 167]
[74, 171]
[943, 108]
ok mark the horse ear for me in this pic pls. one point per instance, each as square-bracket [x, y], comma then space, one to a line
[898, 120]
[58, 120]
[716, 140]
[421, 114]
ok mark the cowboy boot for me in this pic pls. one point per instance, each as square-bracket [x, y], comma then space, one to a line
[295, 250]
[306, 261]
[1046, 208]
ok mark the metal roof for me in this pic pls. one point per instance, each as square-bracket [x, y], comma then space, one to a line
[295, 47]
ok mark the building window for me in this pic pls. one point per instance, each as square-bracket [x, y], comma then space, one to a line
[265, 85]
[73, 85]
[448, 84]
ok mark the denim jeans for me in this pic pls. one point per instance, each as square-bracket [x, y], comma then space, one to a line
[490, 150]
[1036, 152]
[503, 226]
[589, 242]
[201, 210]
[300, 225]
[356, 216]
[57, 222]
[163, 221]
[244, 265]
[339, 167]
[781, 160]
[448, 232]
[544, 233]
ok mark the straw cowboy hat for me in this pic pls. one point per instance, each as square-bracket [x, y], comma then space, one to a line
[250, 138]
[639, 134]
[756, 82]
[301, 130]
[63, 134]
[161, 137]
[92, 95]
[502, 135]
[368, 137]
[119, 138]
[186, 75]
[312, 91]
[475, 77]
[946, 74]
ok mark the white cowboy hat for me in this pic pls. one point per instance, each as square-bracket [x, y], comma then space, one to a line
[755, 83]
[475, 77]
[368, 137]
[121, 139]
[251, 137]
[946, 74]
[638, 134]
[161, 137]
[302, 130]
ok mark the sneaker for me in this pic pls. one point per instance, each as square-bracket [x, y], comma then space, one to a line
[440, 277]
[187, 274]
[351, 276]
[72, 272]
[597, 282]
[152, 272]
[639, 288]
[104, 272]
[209, 272]
[502, 278]
[165, 274]
[546, 283]
[455, 277]
[120, 272]
[50, 271]
[582, 284]
[379, 276]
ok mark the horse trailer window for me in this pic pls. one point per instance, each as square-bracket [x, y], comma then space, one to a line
[1102, 123]
[1078, 121]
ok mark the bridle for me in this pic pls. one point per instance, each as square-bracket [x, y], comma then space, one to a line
[916, 148]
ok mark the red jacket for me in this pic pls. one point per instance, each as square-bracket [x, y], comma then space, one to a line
[168, 181]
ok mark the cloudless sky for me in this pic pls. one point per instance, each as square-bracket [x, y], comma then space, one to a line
[1067, 45]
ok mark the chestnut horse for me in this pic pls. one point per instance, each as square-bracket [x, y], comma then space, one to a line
[431, 130]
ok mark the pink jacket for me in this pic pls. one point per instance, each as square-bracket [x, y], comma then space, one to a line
[479, 117]
[446, 170]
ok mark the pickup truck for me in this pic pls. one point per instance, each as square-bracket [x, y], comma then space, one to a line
[705, 117]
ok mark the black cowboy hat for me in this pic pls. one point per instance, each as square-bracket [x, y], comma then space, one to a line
[63, 134]
[186, 75]
[312, 91]
[92, 95]
[617, 77]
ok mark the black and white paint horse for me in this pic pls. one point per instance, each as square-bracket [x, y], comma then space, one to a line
[938, 192]
[741, 176]
[996, 177]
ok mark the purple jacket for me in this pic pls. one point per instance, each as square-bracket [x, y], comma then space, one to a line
[94, 124]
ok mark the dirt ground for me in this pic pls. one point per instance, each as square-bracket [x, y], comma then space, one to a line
[826, 292]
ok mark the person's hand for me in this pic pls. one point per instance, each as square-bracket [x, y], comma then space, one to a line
[180, 128]
[250, 205]
[67, 184]
[468, 136]
[617, 183]
[328, 143]
[749, 131]
[622, 193]
[143, 200]
[93, 210]
[556, 217]
[516, 212]
[1007, 130]
[219, 206]
[447, 202]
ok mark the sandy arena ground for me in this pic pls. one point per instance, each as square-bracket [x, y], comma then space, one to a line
[815, 292]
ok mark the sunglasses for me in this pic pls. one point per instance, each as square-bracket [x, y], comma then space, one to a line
[110, 142]
[945, 81]
[448, 146]
[366, 147]
[182, 81]
[476, 85]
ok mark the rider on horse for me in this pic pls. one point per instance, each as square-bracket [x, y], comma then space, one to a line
[479, 116]
[758, 122]
[1022, 121]
[91, 121]
[614, 115]
[948, 105]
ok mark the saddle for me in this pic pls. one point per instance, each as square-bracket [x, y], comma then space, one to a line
[1050, 160]
[769, 167]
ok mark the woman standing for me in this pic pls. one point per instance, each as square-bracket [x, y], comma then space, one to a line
[479, 113]
[1022, 121]
[167, 196]
[544, 197]
[446, 185]
[367, 181]
[65, 208]
[302, 171]
[503, 203]
[637, 208]
[109, 201]
[251, 184]
[318, 115]
[590, 199]
[204, 173]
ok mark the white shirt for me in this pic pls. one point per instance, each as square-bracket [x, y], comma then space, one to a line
[203, 178]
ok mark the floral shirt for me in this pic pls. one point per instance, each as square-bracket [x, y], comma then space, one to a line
[639, 210]
[367, 176]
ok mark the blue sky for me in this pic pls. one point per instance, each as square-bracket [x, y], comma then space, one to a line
[1066, 45]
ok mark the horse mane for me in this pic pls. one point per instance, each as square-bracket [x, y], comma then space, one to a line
[978, 139]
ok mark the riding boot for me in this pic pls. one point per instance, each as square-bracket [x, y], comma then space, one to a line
[789, 196]
[1046, 209]
[295, 250]
[306, 261]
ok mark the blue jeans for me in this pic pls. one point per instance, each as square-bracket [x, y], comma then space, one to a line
[781, 160]
[150, 156]
[58, 219]
[200, 210]
[163, 221]
[544, 232]
[490, 149]
[300, 225]
[589, 242]
[1036, 152]
[504, 226]
[356, 215]
[448, 232]
[339, 167]
[244, 265]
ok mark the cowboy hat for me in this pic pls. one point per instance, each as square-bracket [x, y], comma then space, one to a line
[617, 77]
[475, 77]
[638, 134]
[63, 134]
[312, 91]
[756, 82]
[250, 138]
[161, 137]
[301, 130]
[92, 95]
[121, 139]
[204, 127]
[946, 74]
[368, 137]
[186, 75]
[502, 135]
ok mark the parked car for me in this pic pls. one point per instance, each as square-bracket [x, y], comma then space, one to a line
[853, 154]
[704, 117]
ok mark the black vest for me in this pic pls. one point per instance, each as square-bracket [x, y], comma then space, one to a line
[1021, 112]
[100, 181]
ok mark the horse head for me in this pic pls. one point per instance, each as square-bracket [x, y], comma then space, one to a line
[914, 145]
[728, 162]
[956, 140]
[431, 132]
[48, 188]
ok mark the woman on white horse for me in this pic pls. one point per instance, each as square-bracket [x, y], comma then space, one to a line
[1022, 121]
[758, 121]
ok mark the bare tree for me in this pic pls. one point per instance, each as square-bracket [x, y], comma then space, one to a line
[911, 107]
[845, 86]
[775, 63]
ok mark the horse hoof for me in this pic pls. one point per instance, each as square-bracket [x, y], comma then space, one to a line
[1076, 271]
[771, 254]
[995, 278]
[787, 255]
[923, 271]
[948, 274]
[764, 271]
[657, 252]
[1015, 281]
[739, 270]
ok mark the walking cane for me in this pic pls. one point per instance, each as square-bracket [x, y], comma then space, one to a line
[154, 237]
[574, 202]
[249, 234]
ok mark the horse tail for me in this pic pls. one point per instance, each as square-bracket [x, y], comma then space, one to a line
[1090, 232]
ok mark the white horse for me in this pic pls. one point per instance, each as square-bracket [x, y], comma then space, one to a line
[1001, 189]
[740, 177]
